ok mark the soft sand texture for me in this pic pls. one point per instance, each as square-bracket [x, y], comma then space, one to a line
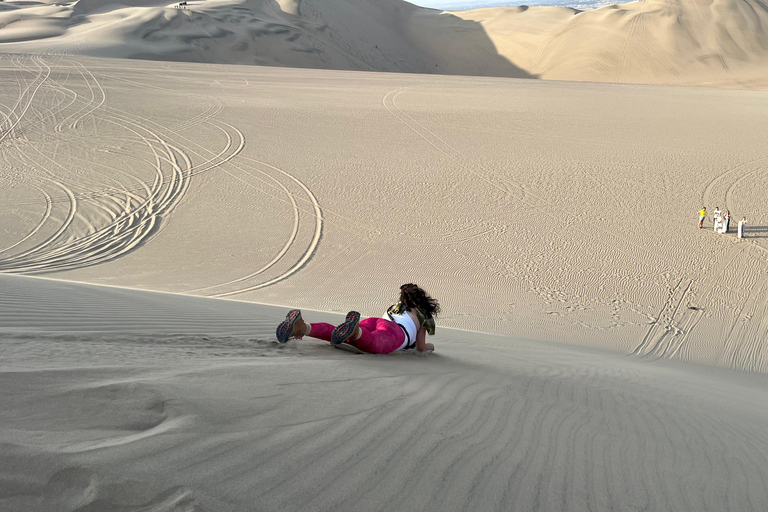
[381, 35]
[133, 401]
[676, 42]
[552, 211]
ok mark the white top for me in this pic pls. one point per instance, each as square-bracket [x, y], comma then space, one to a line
[406, 321]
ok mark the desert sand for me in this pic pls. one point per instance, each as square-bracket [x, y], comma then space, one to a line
[158, 218]
[126, 400]
[548, 210]
[592, 349]
[718, 43]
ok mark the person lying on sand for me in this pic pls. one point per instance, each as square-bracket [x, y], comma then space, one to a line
[405, 325]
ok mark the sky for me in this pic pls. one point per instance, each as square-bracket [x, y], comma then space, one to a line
[460, 5]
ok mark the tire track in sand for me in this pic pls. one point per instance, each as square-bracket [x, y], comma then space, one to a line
[130, 227]
[306, 254]
[38, 82]
[625, 49]
[315, 211]
[303, 258]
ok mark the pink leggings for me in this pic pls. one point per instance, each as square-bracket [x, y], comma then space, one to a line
[379, 335]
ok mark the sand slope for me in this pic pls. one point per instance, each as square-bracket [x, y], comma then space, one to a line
[552, 211]
[720, 43]
[385, 35]
[695, 42]
[122, 400]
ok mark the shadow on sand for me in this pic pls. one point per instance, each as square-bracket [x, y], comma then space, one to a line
[458, 46]
[366, 35]
[756, 232]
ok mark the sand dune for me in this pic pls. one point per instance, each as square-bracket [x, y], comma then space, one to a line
[553, 211]
[674, 42]
[375, 36]
[554, 221]
[653, 41]
[119, 399]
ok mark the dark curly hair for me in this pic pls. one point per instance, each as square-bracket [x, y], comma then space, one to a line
[414, 297]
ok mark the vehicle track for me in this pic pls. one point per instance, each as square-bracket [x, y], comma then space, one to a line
[26, 98]
[268, 172]
[129, 227]
[315, 212]
[130, 215]
[625, 49]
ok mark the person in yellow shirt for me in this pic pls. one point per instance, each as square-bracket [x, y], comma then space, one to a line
[702, 216]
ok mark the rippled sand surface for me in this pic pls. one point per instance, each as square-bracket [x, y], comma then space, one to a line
[117, 399]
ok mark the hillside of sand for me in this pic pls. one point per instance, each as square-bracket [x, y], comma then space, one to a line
[381, 35]
[554, 221]
[675, 42]
[557, 211]
[133, 401]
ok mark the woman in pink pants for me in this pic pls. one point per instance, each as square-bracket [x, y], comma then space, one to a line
[405, 326]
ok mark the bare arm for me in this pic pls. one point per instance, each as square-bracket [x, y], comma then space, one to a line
[421, 341]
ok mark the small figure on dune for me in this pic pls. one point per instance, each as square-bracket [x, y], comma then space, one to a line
[718, 223]
[717, 219]
[742, 227]
[726, 221]
[702, 216]
[404, 326]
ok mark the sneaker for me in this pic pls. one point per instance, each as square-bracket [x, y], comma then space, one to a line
[285, 329]
[345, 331]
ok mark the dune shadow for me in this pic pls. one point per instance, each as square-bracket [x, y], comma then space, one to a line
[394, 37]
[378, 36]
[464, 46]
[452, 45]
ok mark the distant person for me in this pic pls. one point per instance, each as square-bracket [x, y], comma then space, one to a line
[742, 227]
[726, 221]
[702, 216]
[718, 224]
[405, 325]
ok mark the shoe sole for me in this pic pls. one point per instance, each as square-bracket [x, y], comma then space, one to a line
[343, 332]
[283, 331]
